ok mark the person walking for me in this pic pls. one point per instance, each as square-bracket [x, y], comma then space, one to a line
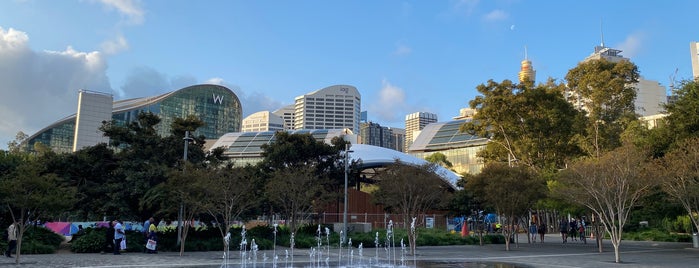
[146, 231]
[11, 239]
[118, 236]
[532, 231]
[152, 235]
[564, 226]
[542, 231]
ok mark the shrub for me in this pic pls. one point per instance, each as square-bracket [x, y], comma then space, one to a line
[91, 242]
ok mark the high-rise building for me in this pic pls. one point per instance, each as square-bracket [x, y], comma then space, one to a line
[694, 50]
[216, 105]
[526, 71]
[374, 134]
[287, 114]
[333, 107]
[414, 123]
[263, 121]
[650, 95]
[398, 138]
[93, 109]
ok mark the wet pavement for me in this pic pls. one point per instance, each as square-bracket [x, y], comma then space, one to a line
[553, 253]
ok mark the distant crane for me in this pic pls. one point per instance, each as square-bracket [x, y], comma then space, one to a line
[672, 81]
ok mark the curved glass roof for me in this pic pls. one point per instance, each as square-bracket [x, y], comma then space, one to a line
[444, 135]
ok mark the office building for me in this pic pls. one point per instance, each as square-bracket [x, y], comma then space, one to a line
[333, 107]
[414, 123]
[371, 133]
[93, 109]
[216, 105]
[263, 121]
[694, 50]
[287, 114]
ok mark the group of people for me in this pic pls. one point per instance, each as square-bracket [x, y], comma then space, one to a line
[539, 229]
[575, 229]
[116, 235]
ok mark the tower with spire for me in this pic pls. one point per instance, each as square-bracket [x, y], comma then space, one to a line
[526, 71]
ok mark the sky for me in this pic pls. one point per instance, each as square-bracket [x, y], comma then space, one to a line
[402, 56]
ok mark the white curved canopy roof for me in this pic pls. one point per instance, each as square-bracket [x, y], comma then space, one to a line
[372, 156]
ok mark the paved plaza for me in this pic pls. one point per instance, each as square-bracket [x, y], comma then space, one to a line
[553, 253]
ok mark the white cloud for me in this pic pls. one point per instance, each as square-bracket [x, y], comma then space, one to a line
[402, 50]
[390, 105]
[465, 7]
[496, 15]
[632, 44]
[116, 45]
[41, 87]
[131, 9]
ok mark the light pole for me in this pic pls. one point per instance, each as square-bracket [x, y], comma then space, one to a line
[344, 213]
[186, 139]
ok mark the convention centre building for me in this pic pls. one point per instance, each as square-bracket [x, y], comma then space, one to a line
[216, 105]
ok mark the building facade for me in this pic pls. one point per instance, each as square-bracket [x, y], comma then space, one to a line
[287, 114]
[217, 106]
[333, 107]
[694, 53]
[371, 133]
[459, 147]
[263, 121]
[414, 123]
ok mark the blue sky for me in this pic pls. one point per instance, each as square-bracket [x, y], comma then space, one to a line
[403, 56]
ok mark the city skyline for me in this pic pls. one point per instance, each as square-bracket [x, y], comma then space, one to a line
[402, 56]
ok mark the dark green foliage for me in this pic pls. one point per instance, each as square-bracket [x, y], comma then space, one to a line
[91, 242]
[657, 235]
[43, 236]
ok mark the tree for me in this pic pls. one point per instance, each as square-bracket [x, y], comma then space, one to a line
[440, 159]
[609, 186]
[412, 191]
[511, 191]
[296, 192]
[679, 170]
[606, 91]
[230, 194]
[15, 146]
[30, 192]
[531, 126]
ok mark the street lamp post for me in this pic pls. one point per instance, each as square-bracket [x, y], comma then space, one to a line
[344, 213]
[186, 139]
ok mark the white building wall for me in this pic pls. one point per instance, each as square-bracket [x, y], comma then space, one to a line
[333, 107]
[93, 109]
[262, 121]
[650, 96]
[694, 50]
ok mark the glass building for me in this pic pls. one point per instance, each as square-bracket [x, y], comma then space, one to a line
[216, 105]
[460, 148]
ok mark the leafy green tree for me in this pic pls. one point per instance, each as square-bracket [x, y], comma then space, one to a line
[610, 186]
[511, 191]
[15, 146]
[296, 192]
[411, 191]
[606, 91]
[304, 156]
[30, 192]
[530, 126]
[440, 159]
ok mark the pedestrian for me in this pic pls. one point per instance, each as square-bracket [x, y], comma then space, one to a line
[11, 239]
[109, 238]
[146, 230]
[118, 236]
[573, 232]
[532, 231]
[152, 235]
[542, 231]
[564, 226]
